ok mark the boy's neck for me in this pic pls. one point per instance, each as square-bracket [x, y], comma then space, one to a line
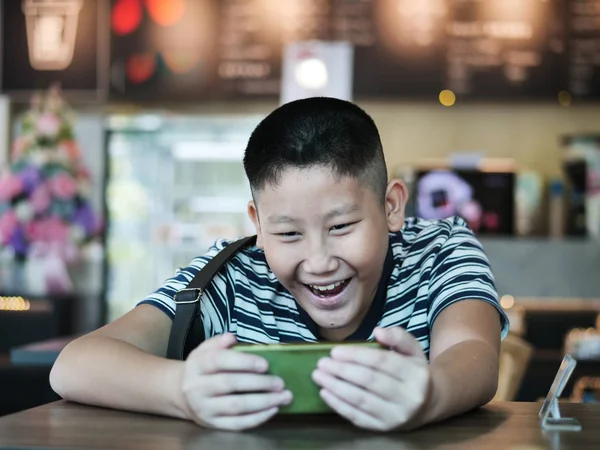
[336, 334]
[341, 334]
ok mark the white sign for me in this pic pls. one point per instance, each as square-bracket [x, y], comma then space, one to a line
[317, 69]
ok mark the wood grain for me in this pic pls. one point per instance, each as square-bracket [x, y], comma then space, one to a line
[511, 426]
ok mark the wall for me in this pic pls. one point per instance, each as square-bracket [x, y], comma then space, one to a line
[545, 268]
[529, 133]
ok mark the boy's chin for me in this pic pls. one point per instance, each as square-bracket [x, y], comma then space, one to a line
[335, 319]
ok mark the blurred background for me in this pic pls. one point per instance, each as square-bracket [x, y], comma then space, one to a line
[123, 125]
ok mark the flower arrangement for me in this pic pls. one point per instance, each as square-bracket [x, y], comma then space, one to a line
[44, 193]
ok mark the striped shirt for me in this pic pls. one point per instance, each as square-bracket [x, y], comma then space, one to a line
[429, 266]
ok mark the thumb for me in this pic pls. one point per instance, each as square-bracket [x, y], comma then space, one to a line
[399, 340]
[219, 342]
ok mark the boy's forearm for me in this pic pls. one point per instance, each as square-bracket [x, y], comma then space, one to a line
[107, 372]
[464, 377]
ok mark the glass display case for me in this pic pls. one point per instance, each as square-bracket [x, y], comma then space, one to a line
[174, 186]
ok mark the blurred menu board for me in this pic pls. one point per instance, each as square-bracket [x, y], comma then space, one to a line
[398, 45]
[480, 49]
[163, 50]
[252, 38]
[584, 48]
[504, 48]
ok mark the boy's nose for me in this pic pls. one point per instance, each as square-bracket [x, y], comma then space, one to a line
[319, 262]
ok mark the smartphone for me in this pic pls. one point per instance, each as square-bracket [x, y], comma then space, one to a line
[294, 364]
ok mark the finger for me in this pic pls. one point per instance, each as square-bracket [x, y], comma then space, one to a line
[230, 361]
[375, 381]
[359, 398]
[391, 391]
[399, 340]
[219, 342]
[239, 404]
[243, 422]
[229, 383]
[389, 362]
[354, 415]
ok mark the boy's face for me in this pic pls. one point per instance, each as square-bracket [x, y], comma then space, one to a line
[326, 240]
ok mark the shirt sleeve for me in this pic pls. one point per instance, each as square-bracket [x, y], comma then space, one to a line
[461, 271]
[214, 304]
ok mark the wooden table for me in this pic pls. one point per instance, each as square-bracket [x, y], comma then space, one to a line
[504, 426]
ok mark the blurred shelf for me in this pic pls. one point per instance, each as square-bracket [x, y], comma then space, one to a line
[39, 353]
[557, 304]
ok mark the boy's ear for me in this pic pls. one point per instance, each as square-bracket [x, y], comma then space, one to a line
[396, 197]
[253, 214]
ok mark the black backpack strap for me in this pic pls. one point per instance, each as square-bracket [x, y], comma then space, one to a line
[185, 335]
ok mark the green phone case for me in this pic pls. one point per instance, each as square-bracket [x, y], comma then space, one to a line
[294, 363]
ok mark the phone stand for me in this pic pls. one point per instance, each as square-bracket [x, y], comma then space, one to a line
[550, 416]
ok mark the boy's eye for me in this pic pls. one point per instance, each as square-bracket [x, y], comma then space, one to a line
[289, 234]
[340, 227]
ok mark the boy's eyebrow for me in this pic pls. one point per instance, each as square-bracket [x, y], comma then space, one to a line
[341, 210]
[346, 208]
[280, 219]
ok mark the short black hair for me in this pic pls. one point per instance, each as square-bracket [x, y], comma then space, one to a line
[317, 131]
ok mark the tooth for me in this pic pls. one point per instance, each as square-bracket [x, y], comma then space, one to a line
[330, 287]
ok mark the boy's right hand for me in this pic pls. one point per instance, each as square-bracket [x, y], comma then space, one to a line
[230, 390]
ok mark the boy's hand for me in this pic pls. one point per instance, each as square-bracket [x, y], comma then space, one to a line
[375, 388]
[230, 390]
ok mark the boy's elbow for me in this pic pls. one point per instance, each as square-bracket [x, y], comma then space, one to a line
[491, 385]
[58, 380]
[60, 373]
[490, 393]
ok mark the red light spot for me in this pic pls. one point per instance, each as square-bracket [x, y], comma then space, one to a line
[166, 12]
[126, 16]
[491, 220]
[140, 67]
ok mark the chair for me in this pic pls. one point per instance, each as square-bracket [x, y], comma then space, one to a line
[515, 354]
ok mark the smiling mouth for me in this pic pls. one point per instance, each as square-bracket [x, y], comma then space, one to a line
[328, 290]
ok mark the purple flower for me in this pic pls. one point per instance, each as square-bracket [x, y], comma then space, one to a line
[31, 177]
[18, 241]
[85, 218]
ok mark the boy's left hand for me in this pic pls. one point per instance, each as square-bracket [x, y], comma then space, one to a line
[377, 389]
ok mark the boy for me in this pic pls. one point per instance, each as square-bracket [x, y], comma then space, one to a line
[335, 260]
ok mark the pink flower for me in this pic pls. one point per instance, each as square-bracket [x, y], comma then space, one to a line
[40, 199]
[8, 223]
[62, 186]
[10, 186]
[50, 229]
[48, 125]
